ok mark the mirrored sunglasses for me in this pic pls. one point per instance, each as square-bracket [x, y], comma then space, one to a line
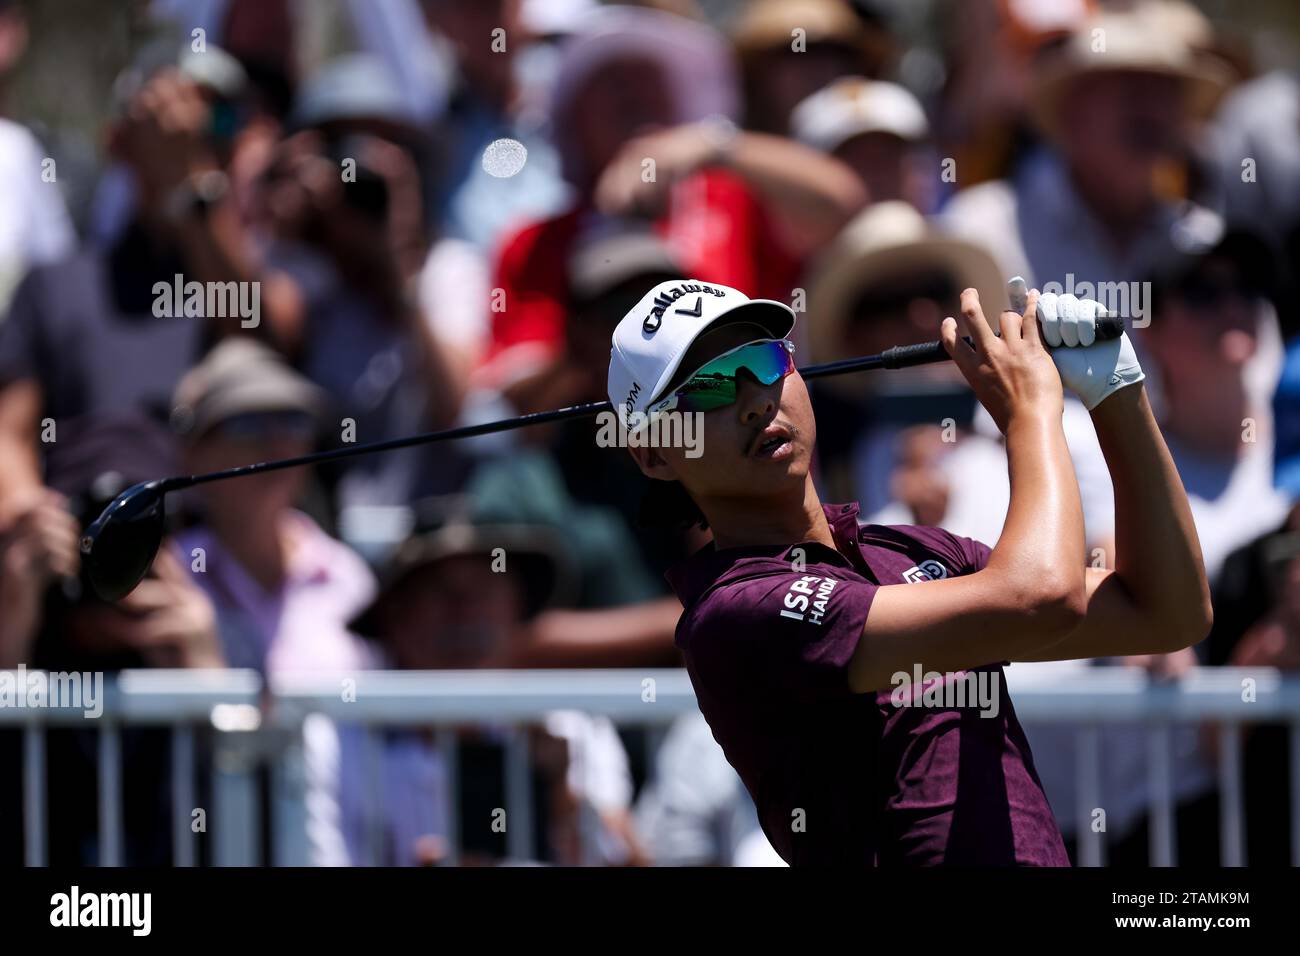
[716, 384]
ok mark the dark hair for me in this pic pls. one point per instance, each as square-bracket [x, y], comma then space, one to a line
[666, 504]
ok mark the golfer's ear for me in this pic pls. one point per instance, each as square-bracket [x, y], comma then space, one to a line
[651, 463]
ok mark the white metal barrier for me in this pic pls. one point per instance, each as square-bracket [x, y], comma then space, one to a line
[182, 699]
[1227, 696]
[251, 726]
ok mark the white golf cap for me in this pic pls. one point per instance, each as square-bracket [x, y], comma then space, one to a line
[651, 340]
[851, 106]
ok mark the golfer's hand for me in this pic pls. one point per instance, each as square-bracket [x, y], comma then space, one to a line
[1091, 369]
[1011, 375]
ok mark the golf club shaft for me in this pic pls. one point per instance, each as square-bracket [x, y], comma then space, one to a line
[898, 357]
[392, 444]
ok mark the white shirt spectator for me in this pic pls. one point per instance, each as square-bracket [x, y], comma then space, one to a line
[413, 791]
[695, 810]
[979, 488]
[34, 224]
[299, 629]
[455, 297]
[1258, 133]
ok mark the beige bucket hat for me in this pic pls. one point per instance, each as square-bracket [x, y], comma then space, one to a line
[884, 241]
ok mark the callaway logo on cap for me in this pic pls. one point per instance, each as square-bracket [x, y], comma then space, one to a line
[651, 340]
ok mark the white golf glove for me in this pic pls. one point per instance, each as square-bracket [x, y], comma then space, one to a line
[1089, 368]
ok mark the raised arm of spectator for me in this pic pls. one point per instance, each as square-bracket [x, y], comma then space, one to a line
[182, 187]
[636, 635]
[20, 470]
[809, 194]
[37, 544]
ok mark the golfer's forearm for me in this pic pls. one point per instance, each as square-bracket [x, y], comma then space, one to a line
[1040, 550]
[1030, 592]
[1157, 552]
[1029, 595]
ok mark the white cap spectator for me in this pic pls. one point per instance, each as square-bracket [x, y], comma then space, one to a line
[852, 106]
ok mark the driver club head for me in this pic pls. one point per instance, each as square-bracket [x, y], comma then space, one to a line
[119, 546]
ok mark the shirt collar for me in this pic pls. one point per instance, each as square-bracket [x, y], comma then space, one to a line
[692, 578]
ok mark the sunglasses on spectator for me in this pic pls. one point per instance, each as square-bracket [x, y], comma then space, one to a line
[257, 426]
[716, 384]
[1202, 293]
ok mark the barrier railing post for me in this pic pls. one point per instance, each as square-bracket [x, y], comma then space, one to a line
[34, 784]
[289, 800]
[236, 820]
[448, 752]
[1232, 850]
[373, 811]
[1161, 807]
[519, 792]
[1090, 843]
[182, 795]
[110, 794]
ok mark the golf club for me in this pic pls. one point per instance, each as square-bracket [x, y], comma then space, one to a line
[119, 546]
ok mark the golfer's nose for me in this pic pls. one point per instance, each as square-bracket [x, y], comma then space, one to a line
[755, 401]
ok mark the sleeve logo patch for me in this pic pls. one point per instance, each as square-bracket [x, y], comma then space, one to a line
[806, 599]
[925, 571]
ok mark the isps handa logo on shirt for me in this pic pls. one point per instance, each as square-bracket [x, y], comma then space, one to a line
[807, 598]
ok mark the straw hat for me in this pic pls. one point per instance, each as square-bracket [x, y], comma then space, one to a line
[768, 24]
[1134, 40]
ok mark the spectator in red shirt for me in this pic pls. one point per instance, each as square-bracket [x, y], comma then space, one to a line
[641, 112]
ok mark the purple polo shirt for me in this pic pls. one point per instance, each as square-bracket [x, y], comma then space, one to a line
[844, 778]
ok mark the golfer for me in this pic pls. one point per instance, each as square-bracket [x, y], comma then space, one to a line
[800, 627]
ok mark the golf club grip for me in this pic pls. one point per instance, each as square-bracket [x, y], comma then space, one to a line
[926, 353]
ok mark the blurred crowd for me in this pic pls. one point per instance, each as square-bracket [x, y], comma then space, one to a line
[440, 223]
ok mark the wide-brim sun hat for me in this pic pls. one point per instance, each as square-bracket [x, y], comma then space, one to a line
[888, 240]
[695, 59]
[767, 25]
[1125, 41]
[533, 553]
